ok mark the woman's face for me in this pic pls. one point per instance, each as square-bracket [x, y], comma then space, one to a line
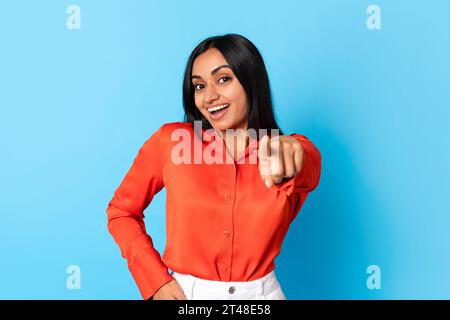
[215, 85]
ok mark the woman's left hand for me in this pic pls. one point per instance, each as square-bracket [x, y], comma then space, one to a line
[279, 157]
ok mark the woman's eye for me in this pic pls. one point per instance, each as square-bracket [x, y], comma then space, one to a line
[197, 86]
[226, 79]
[200, 86]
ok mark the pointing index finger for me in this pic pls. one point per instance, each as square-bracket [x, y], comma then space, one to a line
[263, 150]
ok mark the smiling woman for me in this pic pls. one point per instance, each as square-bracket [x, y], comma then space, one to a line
[226, 86]
[228, 70]
[218, 92]
[226, 221]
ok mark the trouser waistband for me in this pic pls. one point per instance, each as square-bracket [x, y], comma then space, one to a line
[232, 289]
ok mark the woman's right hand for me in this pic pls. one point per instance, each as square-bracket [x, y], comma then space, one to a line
[170, 291]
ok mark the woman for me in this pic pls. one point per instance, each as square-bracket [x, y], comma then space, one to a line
[231, 194]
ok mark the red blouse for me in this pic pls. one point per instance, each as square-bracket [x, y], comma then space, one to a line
[222, 222]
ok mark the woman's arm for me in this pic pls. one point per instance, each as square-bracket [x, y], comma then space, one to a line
[294, 166]
[126, 218]
[308, 178]
[290, 163]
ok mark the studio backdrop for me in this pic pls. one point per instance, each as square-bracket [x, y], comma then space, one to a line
[84, 83]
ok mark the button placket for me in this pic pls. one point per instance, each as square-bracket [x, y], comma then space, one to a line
[228, 186]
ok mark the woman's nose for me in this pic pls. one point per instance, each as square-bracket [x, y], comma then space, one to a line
[211, 94]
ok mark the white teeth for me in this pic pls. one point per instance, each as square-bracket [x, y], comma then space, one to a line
[218, 107]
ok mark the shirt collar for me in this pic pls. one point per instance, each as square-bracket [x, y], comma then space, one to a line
[212, 135]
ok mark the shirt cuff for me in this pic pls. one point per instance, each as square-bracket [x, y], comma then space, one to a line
[149, 272]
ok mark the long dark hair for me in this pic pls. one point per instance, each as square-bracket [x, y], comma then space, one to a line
[247, 64]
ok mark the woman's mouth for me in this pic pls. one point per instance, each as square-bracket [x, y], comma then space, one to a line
[219, 111]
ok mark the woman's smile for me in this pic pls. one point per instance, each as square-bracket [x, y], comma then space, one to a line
[219, 111]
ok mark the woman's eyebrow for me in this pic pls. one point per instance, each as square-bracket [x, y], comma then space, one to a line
[194, 76]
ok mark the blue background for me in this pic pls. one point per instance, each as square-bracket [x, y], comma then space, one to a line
[76, 105]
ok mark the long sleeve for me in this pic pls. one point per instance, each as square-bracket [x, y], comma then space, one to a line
[298, 187]
[126, 218]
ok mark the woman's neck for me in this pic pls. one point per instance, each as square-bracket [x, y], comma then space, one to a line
[236, 141]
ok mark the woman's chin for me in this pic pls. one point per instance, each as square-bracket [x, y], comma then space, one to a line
[221, 127]
[220, 124]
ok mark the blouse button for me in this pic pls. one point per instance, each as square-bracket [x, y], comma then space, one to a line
[227, 197]
[226, 233]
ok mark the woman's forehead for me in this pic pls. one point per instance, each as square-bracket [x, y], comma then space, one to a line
[208, 61]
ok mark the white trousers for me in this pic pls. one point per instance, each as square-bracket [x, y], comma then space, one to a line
[265, 288]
